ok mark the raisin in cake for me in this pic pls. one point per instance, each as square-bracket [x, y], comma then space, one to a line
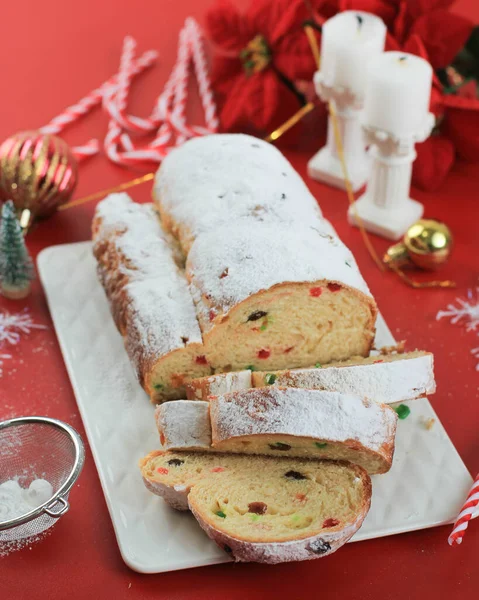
[283, 422]
[264, 509]
[148, 295]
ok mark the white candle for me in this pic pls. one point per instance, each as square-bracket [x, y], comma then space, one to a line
[348, 42]
[398, 91]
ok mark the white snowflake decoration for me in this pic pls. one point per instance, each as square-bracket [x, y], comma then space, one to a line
[466, 309]
[12, 326]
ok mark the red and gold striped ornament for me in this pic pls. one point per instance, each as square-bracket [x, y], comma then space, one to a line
[38, 172]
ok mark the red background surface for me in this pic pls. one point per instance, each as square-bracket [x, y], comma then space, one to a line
[52, 53]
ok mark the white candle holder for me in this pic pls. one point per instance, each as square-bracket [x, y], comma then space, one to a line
[386, 208]
[325, 165]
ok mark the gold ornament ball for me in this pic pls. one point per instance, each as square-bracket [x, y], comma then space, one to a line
[38, 172]
[429, 243]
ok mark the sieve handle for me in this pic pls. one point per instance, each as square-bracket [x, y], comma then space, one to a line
[57, 513]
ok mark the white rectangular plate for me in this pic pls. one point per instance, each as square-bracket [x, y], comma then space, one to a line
[426, 486]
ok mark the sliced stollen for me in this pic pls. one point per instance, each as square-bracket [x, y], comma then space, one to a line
[284, 422]
[262, 305]
[148, 295]
[212, 385]
[264, 509]
[184, 425]
[386, 378]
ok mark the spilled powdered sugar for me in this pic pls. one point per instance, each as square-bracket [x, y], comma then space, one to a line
[309, 413]
[7, 548]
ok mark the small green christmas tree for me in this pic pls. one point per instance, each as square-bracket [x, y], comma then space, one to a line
[16, 267]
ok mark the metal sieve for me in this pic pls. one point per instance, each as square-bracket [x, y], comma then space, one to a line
[34, 447]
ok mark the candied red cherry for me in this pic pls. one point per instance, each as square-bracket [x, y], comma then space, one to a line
[330, 523]
[334, 287]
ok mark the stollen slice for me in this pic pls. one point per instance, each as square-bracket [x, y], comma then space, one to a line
[202, 387]
[283, 422]
[264, 509]
[387, 378]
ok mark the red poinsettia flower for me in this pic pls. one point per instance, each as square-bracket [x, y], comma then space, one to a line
[258, 56]
[461, 125]
[263, 67]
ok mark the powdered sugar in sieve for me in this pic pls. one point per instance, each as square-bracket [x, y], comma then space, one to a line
[40, 460]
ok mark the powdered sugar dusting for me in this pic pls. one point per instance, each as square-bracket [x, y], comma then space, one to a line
[309, 413]
[160, 312]
[259, 256]
[383, 381]
[219, 384]
[230, 178]
[184, 424]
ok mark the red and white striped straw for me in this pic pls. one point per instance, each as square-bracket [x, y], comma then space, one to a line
[118, 145]
[466, 514]
[116, 99]
[95, 97]
[202, 75]
[168, 117]
[91, 148]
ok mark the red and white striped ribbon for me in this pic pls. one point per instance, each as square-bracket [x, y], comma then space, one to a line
[168, 117]
[466, 514]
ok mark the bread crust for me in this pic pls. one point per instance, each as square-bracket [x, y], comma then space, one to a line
[147, 291]
[277, 412]
[308, 548]
[351, 428]
[300, 547]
